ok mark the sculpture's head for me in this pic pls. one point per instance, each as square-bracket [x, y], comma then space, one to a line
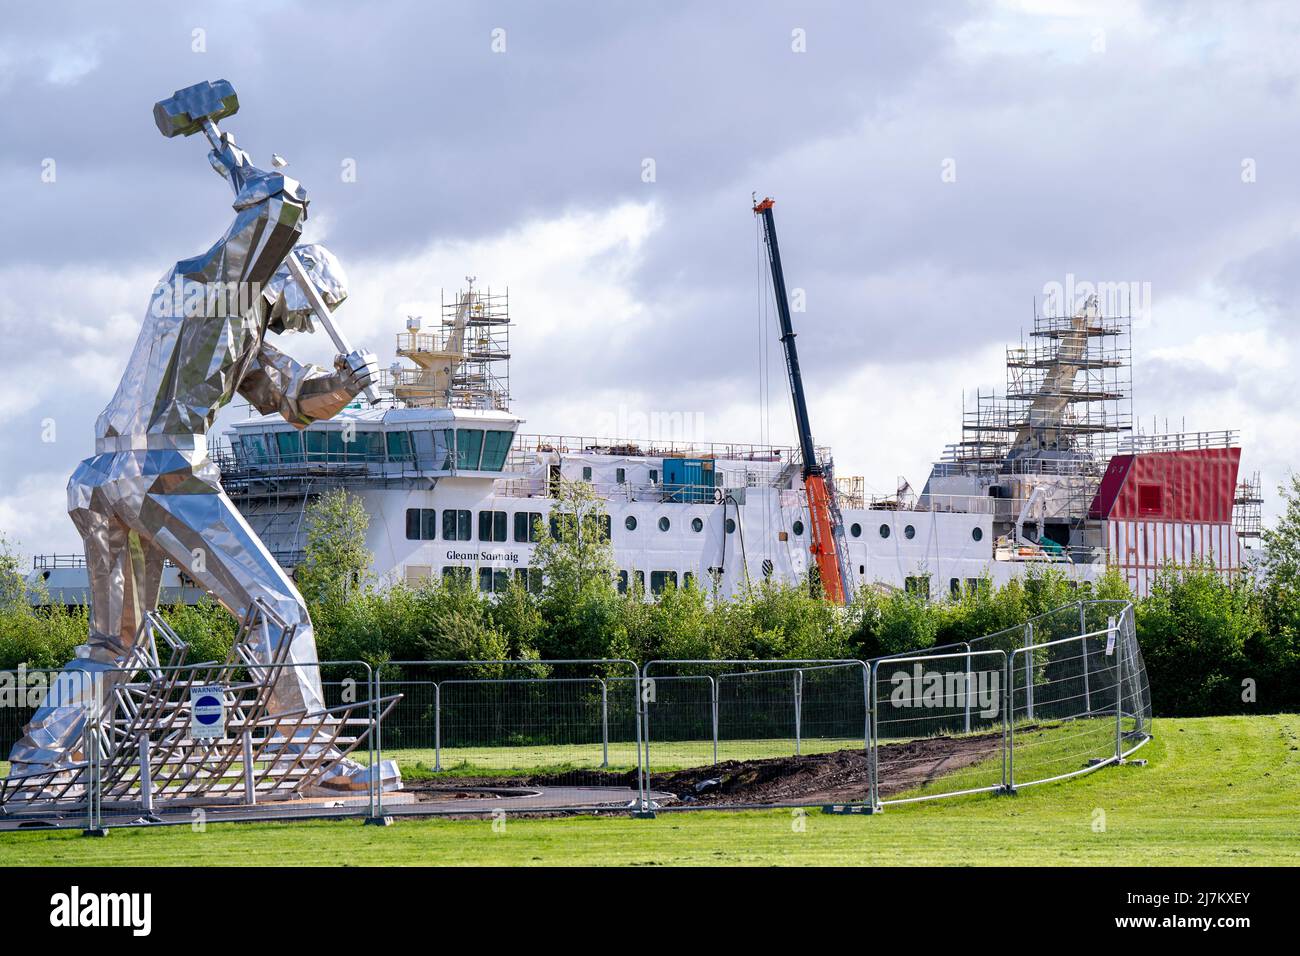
[290, 309]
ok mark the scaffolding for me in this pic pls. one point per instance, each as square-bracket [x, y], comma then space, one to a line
[1067, 406]
[1247, 511]
[462, 363]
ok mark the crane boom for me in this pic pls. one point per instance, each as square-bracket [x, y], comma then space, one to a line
[814, 475]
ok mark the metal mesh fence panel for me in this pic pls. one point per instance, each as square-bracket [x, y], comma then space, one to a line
[939, 724]
[738, 733]
[514, 735]
[1063, 707]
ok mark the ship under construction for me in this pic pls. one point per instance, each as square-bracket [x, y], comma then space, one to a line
[1049, 471]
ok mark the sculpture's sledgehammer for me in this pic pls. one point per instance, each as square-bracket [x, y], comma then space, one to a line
[185, 111]
[196, 109]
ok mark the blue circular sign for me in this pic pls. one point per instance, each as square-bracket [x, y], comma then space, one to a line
[207, 709]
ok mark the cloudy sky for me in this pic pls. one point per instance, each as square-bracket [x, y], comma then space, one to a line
[936, 165]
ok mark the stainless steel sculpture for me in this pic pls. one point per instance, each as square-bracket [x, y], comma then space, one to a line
[151, 493]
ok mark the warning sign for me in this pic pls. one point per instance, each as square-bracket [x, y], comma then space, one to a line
[207, 712]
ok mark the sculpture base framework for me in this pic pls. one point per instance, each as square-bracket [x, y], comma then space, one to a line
[138, 752]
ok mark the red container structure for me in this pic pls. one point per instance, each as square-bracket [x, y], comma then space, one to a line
[1159, 508]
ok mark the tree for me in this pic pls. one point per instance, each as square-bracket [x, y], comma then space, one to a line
[576, 560]
[13, 588]
[336, 561]
[573, 552]
[1276, 655]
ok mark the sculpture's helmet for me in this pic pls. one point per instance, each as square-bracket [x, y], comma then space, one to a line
[290, 309]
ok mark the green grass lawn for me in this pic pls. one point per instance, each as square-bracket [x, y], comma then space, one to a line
[1216, 791]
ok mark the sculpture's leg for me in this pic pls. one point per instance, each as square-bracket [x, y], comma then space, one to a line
[197, 526]
[125, 574]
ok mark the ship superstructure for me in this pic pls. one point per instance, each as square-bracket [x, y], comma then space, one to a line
[1049, 473]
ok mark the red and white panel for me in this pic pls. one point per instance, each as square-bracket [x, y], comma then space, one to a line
[1139, 549]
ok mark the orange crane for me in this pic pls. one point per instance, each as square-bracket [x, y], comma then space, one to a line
[818, 490]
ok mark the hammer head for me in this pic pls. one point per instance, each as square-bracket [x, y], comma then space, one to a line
[183, 113]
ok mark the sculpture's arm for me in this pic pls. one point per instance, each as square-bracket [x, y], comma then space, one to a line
[304, 393]
[269, 212]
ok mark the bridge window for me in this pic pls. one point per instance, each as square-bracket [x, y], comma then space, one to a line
[469, 448]
[530, 579]
[527, 526]
[456, 574]
[496, 445]
[455, 524]
[399, 447]
[492, 526]
[493, 580]
[918, 585]
[289, 445]
[660, 581]
[421, 524]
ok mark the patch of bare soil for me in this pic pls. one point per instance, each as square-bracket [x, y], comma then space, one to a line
[837, 777]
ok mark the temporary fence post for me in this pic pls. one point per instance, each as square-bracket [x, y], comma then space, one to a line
[250, 791]
[873, 725]
[604, 723]
[437, 726]
[146, 780]
[376, 691]
[1113, 634]
[90, 745]
[1087, 690]
[377, 769]
[966, 644]
[1010, 724]
[798, 711]
[642, 808]
[713, 711]
[1029, 670]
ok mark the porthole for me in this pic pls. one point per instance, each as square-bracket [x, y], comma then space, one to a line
[731, 525]
[884, 531]
[697, 525]
[855, 529]
[909, 532]
[797, 527]
[630, 523]
[977, 533]
[664, 523]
